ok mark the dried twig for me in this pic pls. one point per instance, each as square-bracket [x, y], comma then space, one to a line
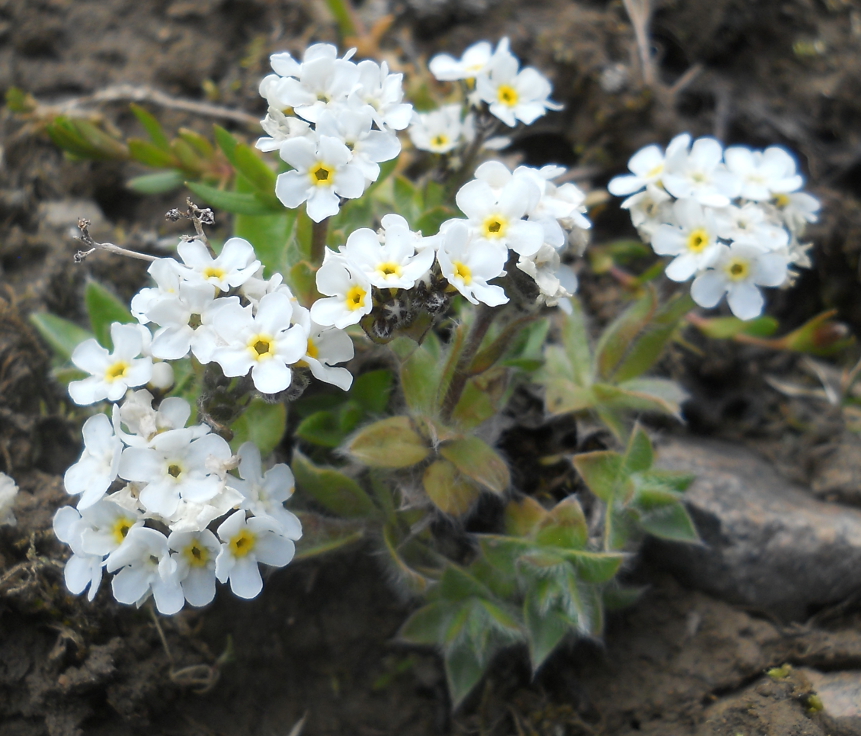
[199, 217]
[640, 13]
[86, 239]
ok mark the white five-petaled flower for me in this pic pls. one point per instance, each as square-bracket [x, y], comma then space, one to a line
[111, 374]
[82, 570]
[441, 131]
[244, 544]
[468, 264]
[383, 93]
[393, 264]
[323, 172]
[264, 494]
[144, 566]
[347, 293]
[514, 95]
[737, 272]
[495, 215]
[763, 173]
[326, 346]
[232, 267]
[265, 343]
[194, 555]
[369, 147]
[474, 62]
[700, 174]
[694, 243]
[647, 167]
[97, 468]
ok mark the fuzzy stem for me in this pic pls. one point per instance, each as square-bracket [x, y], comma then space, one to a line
[483, 319]
[319, 231]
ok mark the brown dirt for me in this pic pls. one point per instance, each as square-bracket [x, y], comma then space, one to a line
[319, 641]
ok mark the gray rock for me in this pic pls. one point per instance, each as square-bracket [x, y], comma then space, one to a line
[767, 542]
[840, 693]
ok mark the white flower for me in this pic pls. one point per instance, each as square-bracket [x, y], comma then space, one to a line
[797, 208]
[8, 492]
[265, 344]
[694, 243]
[748, 224]
[647, 166]
[649, 209]
[193, 517]
[145, 423]
[473, 63]
[321, 81]
[559, 208]
[264, 494]
[322, 173]
[440, 131]
[326, 346]
[763, 173]
[93, 474]
[495, 216]
[195, 564]
[167, 280]
[81, 570]
[544, 269]
[245, 543]
[513, 95]
[233, 266]
[369, 147]
[393, 264]
[383, 93]
[281, 128]
[469, 264]
[105, 526]
[145, 567]
[111, 374]
[737, 272]
[174, 467]
[347, 291]
[700, 174]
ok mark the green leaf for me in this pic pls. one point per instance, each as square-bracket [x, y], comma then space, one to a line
[158, 183]
[667, 520]
[371, 390]
[618, 337]
[254, 169]
[639, 455]
[427, 625]
[463, 671]
[261, 423]
[457, 584]
[477, 460]
[447, 489]
[201, 146]
[62, 335]
[405, 194]
[649, 346]
[340, 9]
[226, 142]
[104, 308]
[416, 582]
[523, 516]
[242, 204]
[189, 159]
[152, 126]
[482, 398]
[429, 223]
[269, 234]
[332, 489]
[420, 377]
[575, 341]
[322, 428]
[641, 394]
[544, 631]
[595, 567]
[389, 443]
[723, 328]
[82, 138]
[503, 552]
[564, 526]
[321, 535]
[151, 155]
[603, 472]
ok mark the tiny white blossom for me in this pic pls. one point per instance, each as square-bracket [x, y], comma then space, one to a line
[8, 493]
[111, 373]
[647, 167]
[763, 173]
[322, 173]
[97, 468]
[749, 224]
[514, 95]
[144, 567]
[700, 174]
[738, 271]
[347, 293]
[393, 264]
[468, 264]
[694, 243]
[195, 554]
[82, 570]
[244, 544]
[474, 62]
[326, 346]
[232, 267]
[441, 131]
[369, 147]
[383, 93]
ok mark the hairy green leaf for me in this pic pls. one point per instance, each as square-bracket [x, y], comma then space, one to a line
[332, 489]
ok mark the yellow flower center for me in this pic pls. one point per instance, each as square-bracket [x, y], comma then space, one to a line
[242, 543]
[387, 270]
[121, 528]
[507, 95]
[495, 227]
[116, 371]
[655, 171]
[196, 554]
[439, 142]
[462, 272]
[698, 241]
[261, 346]
[213, 272]
[781, 200]
[356, 298]
[174, 470]
[312, 351]
[738, 269]
[321, 175]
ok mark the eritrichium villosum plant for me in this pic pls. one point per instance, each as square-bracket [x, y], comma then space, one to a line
[374, 317]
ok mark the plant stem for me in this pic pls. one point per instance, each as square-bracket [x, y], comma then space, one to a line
[483, 319]
[319, 230]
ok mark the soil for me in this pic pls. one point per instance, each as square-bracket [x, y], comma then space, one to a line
[316, 653]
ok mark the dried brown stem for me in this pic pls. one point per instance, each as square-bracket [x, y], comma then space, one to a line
[86, 239]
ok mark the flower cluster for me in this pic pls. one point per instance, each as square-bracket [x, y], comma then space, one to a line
[333, 121]
[172, 481]
[732, 219]
[520, 216]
